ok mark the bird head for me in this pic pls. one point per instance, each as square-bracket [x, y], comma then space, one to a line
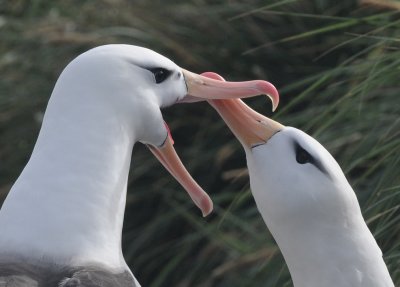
[293, 177]
[135, 83]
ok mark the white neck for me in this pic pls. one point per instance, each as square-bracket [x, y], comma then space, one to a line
[320, 254]
[69, 202]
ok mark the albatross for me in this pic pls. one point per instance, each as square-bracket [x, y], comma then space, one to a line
[61, 223]
[306, 202]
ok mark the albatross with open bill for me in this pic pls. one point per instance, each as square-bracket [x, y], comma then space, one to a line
[306, 202]
[61, 223]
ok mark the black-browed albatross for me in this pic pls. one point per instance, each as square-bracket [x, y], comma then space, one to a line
[306, 203]
[61, 223]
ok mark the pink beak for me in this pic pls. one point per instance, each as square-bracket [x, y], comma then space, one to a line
[202, 87]
[250, 127]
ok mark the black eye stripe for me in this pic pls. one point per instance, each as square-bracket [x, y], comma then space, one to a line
[304, 157]
[160, 74]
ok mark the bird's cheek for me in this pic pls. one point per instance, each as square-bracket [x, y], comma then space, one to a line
[172, 93]
[151, 129]
[158, 136]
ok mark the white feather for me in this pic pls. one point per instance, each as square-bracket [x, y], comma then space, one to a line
[314, 215]
[68, 204]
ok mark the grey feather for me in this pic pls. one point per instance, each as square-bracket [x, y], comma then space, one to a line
[51, 275]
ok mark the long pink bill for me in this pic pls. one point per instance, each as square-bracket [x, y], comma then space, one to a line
[167, 155]
[201, 87]
[250, 127]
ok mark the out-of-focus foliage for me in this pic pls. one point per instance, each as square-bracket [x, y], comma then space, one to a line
[336, 63]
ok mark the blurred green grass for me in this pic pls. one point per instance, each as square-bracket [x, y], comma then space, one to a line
[336, 64]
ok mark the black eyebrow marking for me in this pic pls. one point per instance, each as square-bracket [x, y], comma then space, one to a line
[159, 78]
[148, 68]
[153, 68]
[313, 160]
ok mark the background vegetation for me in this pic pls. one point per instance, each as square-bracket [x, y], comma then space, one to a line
[336, 64]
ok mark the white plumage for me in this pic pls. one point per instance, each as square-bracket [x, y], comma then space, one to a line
[61, 224]
[313, 214]
[306, 203]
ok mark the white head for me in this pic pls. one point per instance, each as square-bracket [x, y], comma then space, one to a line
[133, 82]
[294, 178]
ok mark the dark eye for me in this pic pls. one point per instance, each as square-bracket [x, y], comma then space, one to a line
[302, 156]
[160, 74]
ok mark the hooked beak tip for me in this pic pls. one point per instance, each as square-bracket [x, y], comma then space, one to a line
[275, 102]
[210, 86]
[270, 91]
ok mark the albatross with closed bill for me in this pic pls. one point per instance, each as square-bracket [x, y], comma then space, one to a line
[61, 223]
